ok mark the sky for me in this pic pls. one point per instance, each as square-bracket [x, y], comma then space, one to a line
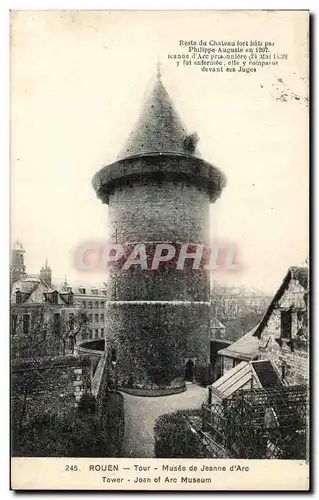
[78, 80]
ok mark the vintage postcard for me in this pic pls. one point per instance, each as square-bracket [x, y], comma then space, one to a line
[159, 284]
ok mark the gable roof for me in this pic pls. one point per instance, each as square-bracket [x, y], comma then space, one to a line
[298, 273]
[233, 380]
[245, 348]
[27, 287]
[261, 373]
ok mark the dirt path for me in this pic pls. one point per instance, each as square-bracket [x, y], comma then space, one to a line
[141, 413]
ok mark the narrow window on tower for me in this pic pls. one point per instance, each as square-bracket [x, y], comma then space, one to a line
[113, 356]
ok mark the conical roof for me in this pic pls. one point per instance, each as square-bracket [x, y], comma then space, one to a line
[159, 128]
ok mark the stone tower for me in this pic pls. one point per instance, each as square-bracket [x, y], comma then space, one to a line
[158, 190]
[17, 268]
[46, 273]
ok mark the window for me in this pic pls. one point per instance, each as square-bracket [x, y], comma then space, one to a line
[96, 333]
[95, 291]
[90, 305]
[90, 318]
[55, 297]
[84, 304]
[96, 305]
[26, 324]
[18, 296]
[283, 372]
[285, 326]
[96, 318]
[102, 332]
[102, 317]
[82, 290]
[14, 323]
[102, 304]
[56, 322]
[113, 355]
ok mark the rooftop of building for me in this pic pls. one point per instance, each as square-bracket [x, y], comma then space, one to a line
[298, 273]
[262, 373]
[247, 347]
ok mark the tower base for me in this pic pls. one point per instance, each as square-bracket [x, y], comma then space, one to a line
[153, 392]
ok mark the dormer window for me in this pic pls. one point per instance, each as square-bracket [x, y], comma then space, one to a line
[82, 290]
[55, 297]
[18, 296]
[95, 291]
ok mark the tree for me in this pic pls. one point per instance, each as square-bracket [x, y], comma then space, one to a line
[40, 330]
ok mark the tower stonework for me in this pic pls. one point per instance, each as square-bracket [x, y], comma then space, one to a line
[158, 191]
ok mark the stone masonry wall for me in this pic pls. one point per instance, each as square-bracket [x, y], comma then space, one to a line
[152, 341]
[168, 211]
[294, 359]
[171, 321]
[50, 384]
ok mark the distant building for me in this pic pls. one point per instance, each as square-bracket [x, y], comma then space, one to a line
[234, 302]
[29, 316]
[44, 314]
[92, 300]
[17, 267]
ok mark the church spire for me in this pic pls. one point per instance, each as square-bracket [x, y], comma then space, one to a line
[158, 72]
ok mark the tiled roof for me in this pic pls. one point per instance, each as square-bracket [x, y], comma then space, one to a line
[159, 128]
[301, 274]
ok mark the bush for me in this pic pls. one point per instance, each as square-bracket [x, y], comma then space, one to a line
[174, 437]
[87, 432]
